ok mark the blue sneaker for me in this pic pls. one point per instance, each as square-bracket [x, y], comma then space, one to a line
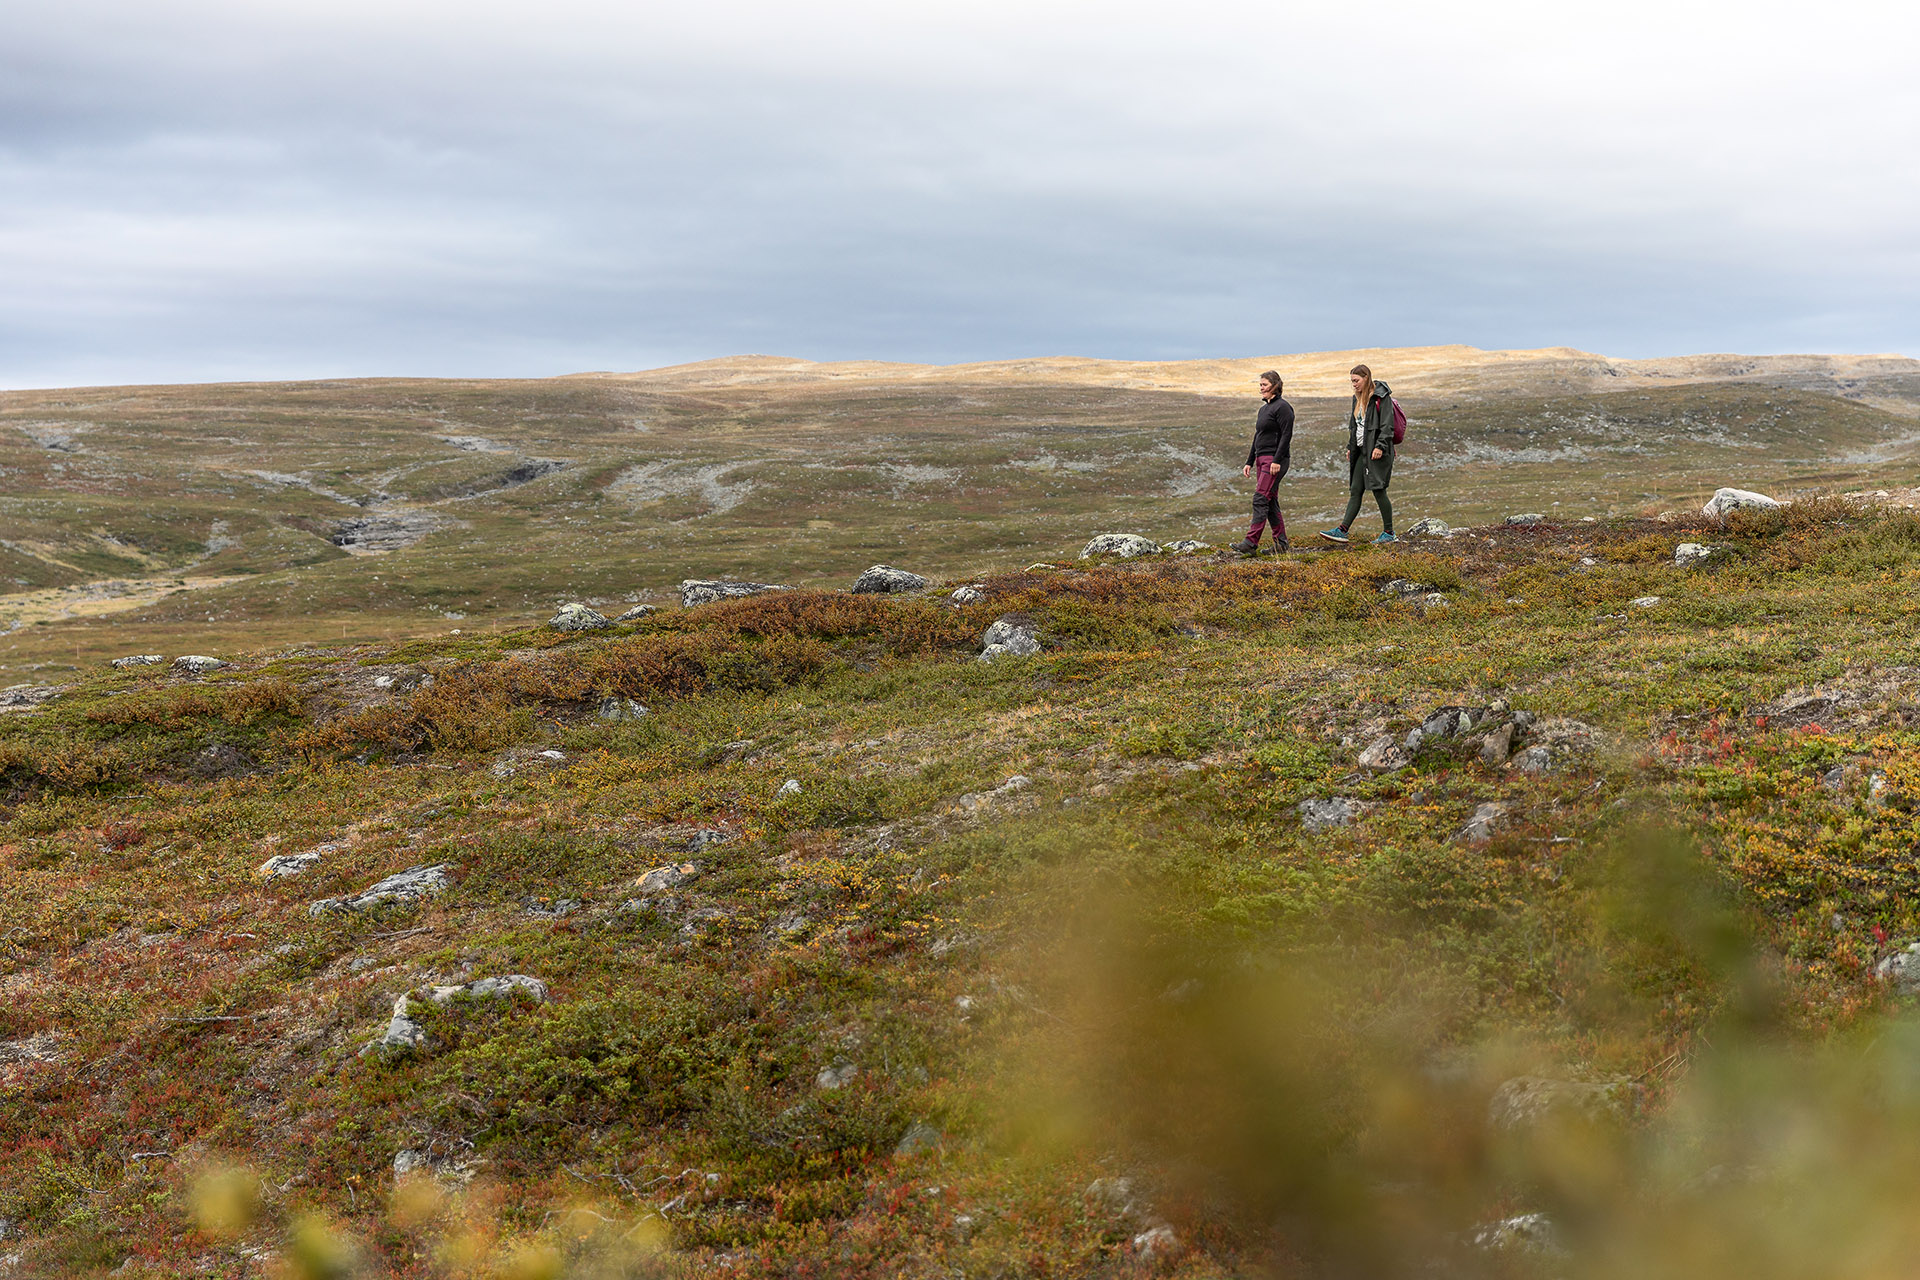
[1385, 539]
[1335, 534]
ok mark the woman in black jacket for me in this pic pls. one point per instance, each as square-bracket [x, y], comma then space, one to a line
[1369, 453]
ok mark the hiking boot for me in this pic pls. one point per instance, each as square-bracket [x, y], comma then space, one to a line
[1385, 539]
[1245, 547]
[1280, 545]
[1335, 534]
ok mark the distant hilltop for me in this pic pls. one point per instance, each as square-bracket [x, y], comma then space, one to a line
[1317, 373]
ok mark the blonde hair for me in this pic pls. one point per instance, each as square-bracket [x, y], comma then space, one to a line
[1366, 391]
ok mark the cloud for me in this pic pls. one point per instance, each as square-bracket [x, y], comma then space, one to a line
[206, 190]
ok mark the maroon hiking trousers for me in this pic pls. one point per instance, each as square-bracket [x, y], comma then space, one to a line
[1266, 502]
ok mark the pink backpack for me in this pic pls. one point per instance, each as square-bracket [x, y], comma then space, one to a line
[1399, 422]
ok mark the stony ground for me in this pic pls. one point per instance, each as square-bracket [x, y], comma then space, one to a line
[1519, 901]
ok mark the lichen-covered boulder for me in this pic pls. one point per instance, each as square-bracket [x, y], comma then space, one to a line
[578, 617]
[884, 579]
[1124, 545]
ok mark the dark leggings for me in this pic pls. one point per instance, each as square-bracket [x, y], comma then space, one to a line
[1353, 508]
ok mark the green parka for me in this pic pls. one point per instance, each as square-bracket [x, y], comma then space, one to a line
[1379, 435]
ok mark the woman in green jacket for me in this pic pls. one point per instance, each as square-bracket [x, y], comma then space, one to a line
[1369, 453]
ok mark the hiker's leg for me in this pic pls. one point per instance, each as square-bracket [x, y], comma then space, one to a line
[1262, 498]
[1386, 509]
[1353, 507]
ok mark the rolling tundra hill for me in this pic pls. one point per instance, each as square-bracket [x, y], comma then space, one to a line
[215, 518]
[1537, 901]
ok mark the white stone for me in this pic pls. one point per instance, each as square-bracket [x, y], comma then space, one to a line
[405, 886]
[287, 864]
[1320, 813]
[791, 787]
[1526, 517]
[1725, 500]
[663, 879]
[578, 617]
[1430, 527]
[1382, 755]
[696, 591]
[636, 613]
[1690, 553]
[617, 709]
[197, 664]
[1480, 826]
[883, 579]
[1124, 545]
[1645, 602]
[971, 594]
[139, 660]
[1188, 546]
[1009, 636]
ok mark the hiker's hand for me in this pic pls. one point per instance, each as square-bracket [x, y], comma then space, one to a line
[1274, 467]
[1247, 470]
[1377, 455]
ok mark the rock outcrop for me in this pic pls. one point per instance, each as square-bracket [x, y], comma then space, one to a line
[696, 591]
[410, 885]
[1011, 636]
[1124, 545]
[1725, 500]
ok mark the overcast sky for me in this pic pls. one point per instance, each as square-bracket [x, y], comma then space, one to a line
[286, 188]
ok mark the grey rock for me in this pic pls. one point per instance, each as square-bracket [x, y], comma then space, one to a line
[503, 987]
[791, 787]
[697, 591]
[918, 1139]
[1435, 600]
[578, 617]
[1485, 818]
[1725, 500]
[883, 579]
[665, 879]
[970, 594]
[551, 908]
[1115, 1197]
[703, 839]
[1834, 779]
[1444, 722]
[1319, 814]
[974, 801]
[1526, 518]
[1013, 636]
[410, 885]
[1124, 545]
[1690, 553]
[1400, 588]
[1496, 746]
[196, 664]
[443, 1169]
[405, 1035]
[1902, 969]
[1526, 1102]
[614, 710]
[1430, 527]
[139, 660]
[1535, 759]
[1187, 546]
[1524, 719]
[636, 613]
[1645, 602]
[836, 1076]
[288, 864]
[1382, 755]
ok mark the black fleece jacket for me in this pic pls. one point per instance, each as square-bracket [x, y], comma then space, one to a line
[1273, 434]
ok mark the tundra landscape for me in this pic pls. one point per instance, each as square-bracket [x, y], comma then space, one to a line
[1536, 897]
